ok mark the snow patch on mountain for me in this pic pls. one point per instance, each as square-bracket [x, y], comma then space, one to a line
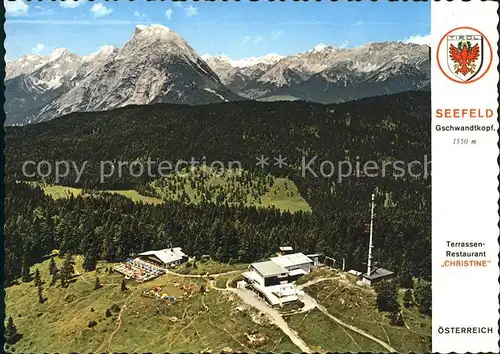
[267, 59]
[102, 54]
[215, 93]
[319, 48]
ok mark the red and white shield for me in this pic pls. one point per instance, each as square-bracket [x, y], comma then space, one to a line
[465, 55]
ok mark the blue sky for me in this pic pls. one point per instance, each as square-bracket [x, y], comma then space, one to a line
[237, 29]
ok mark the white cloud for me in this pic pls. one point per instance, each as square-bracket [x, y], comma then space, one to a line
[358, 23]
[99, 10]
[258, 38]
[70, 4]
[191, 11]
[169, 13]
[41, 11]
[38, 48]
[139, 14]
[16, 8]
[277, 34]
[419, 39]
[245, 40]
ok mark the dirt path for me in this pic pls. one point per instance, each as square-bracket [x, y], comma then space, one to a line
[107, 342]
[77, 272]
[182, 331]
[250, 298]
[310, 303]
[346, 325]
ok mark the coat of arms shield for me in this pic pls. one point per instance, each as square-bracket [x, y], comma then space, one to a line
[465, 55]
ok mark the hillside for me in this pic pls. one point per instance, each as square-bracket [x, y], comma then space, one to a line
[375, 128]
[126, 321]
[384, 128]
[198, 186]
[201, 185]
[81, 318]
[357, 306]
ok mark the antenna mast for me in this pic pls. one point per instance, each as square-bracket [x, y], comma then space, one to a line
[371, 238]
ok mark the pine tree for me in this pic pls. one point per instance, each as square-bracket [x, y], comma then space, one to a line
[55, 276]
[423, 296]
[40, 294]
[52, 265]
[397, 319]
[387, 296]
[89, 262]
[97, 284]
[67, 270]
[26, 271]
[123, 286]
[405, 277]
[11, 334]
[408, 298]
[36, 279]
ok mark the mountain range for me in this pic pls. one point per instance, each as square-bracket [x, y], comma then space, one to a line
[329, 74]
[158, 66]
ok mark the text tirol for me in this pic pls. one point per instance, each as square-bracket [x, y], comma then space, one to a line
[464, 113]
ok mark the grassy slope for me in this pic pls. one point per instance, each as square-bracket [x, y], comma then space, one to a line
[147, 324]
[56, 192]
[283, 201]
[323, 334]
[283, 195]
[356, 305]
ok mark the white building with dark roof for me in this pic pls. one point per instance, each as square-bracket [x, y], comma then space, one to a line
[270, 272]
[168, 257]
[271, 281]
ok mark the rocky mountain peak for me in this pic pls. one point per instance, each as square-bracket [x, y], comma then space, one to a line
[60, 52]
[102, 54]
[319, 48]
